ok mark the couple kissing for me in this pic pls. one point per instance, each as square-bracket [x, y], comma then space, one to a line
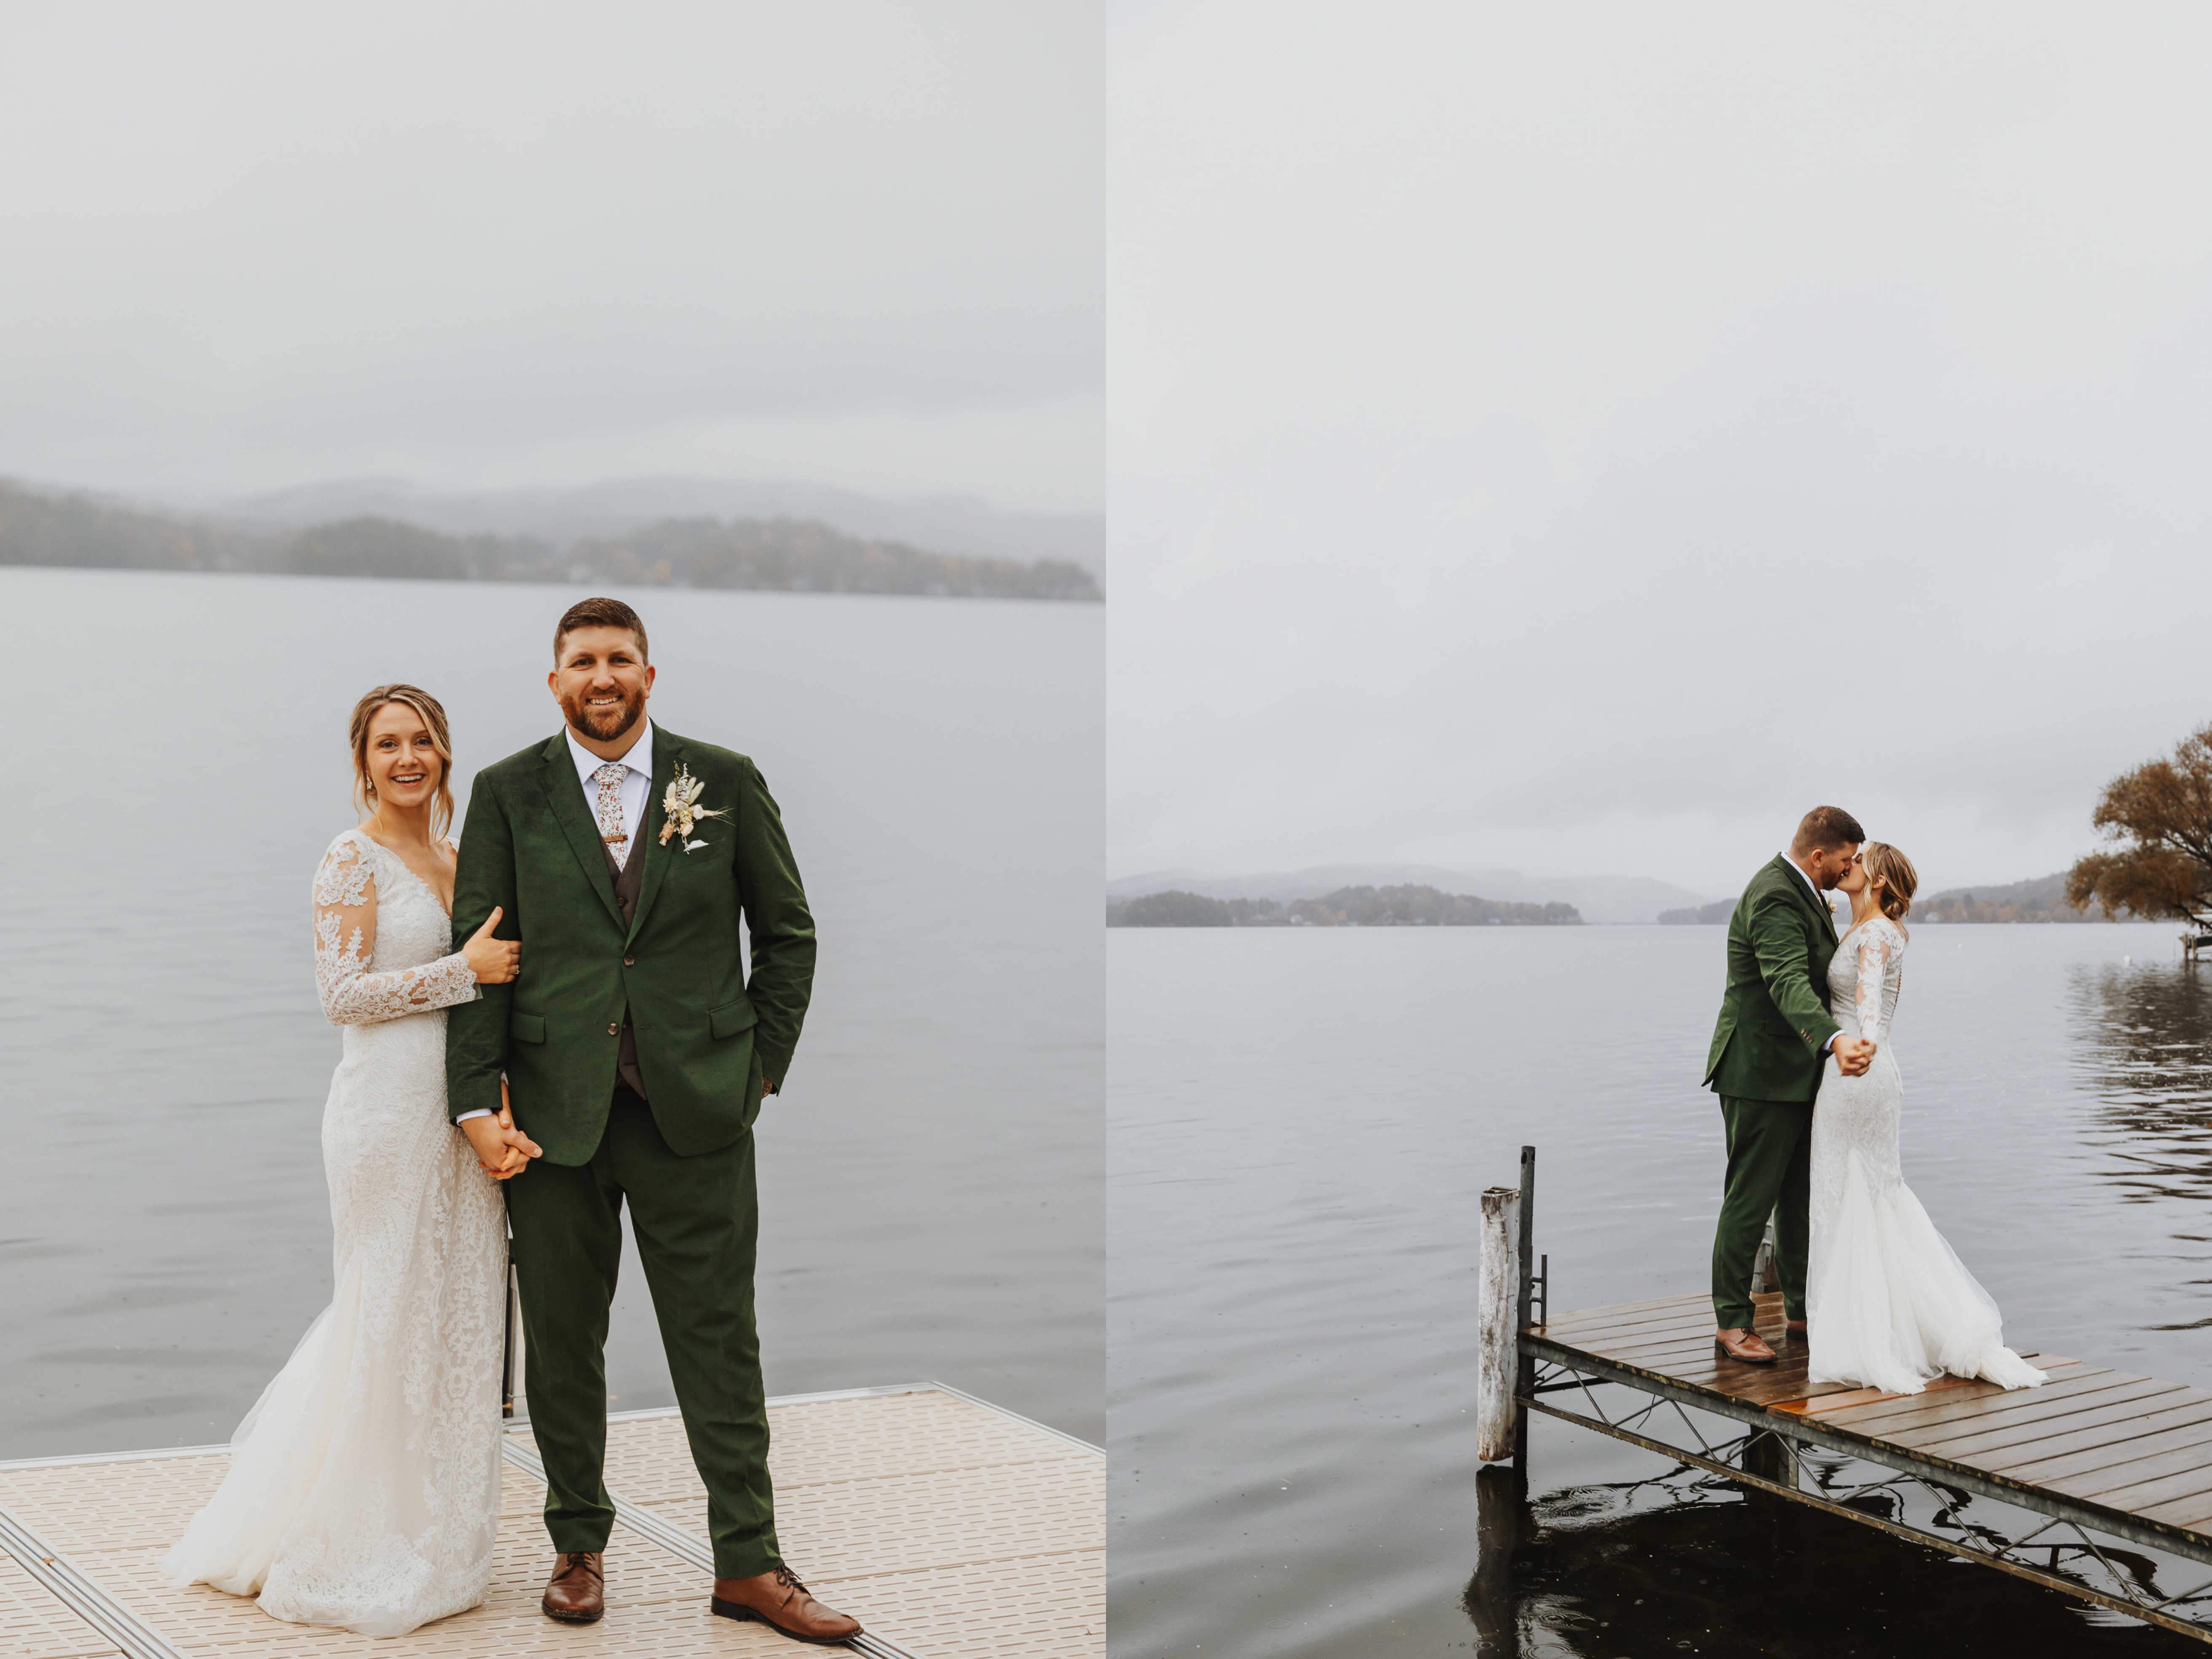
[1812, 1100]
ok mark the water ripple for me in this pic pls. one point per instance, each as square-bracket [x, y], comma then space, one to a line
[1292, 1348]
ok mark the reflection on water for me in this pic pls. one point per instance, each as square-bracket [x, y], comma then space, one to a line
[2143, 1046]
[1654, 1566]
[1682, 1561]
[1298, 1128]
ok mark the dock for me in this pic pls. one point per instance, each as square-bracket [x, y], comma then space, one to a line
[2098, 1484]
[909, 1507]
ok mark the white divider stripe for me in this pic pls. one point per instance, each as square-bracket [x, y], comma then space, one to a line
[522, 1424]
[875, 1393]
[109, 1617]
[1042, 1428]
[114, 1457]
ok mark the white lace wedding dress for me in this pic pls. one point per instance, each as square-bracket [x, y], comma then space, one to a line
[364, 1487]
[1888, 1303]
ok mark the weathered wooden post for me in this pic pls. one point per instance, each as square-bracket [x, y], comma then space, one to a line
[1524, 1369]
[1498, 1290]
[1503, 1291]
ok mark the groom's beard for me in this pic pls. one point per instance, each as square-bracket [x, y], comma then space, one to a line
[604, 725]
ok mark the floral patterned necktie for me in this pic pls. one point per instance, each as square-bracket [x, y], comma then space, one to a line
[610, 779]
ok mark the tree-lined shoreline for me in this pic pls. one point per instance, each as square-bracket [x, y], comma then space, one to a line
[801, 555]
[1348, 907]
[2042, 899]
[2156, 865]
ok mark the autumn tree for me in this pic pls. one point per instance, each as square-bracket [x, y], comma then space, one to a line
[2159, 818]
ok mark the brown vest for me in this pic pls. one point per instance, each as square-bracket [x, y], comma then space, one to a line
[629, 878]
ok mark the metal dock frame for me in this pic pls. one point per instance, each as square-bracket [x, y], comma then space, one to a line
[1769, 1454]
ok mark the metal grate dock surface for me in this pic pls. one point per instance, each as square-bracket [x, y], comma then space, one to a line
[952, 1529]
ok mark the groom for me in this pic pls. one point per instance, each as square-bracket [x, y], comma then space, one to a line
[637, 1051]
[1765, 1063]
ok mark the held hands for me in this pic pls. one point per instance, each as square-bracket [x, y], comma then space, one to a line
[493, 961]
[1853, 1055]
[503, 1150]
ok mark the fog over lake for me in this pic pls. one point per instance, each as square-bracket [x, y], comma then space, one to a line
[254, 245]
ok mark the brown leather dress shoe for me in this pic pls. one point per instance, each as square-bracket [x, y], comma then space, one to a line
[1739, 1344]
[1795, 1330]
[577, 1592]
[782, 1603]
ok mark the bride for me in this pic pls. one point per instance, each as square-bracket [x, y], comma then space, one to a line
[1888, 1303]
[364, 1487]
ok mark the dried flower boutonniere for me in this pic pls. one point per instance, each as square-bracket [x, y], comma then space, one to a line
[680, 809]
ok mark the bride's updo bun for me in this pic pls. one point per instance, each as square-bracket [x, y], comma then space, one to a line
[434, 716]
[1896, 874]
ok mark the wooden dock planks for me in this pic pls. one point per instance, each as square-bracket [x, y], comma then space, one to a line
[2093, 1437]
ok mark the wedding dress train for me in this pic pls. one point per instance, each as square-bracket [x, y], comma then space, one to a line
[1888, 1303]
[364, 1487]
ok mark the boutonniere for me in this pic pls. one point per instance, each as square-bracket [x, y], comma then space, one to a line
[680, 809]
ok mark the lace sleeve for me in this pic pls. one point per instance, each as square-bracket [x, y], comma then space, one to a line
[1875, 958]
[345, 941]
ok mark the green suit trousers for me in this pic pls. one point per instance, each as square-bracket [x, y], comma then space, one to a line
[1770, 1172]
[697, 1222]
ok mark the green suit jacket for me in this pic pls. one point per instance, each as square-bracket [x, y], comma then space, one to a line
[706, 1035]
[1774, 1014]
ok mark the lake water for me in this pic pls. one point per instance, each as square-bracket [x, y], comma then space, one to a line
[932, 1176]
[1299, 1124]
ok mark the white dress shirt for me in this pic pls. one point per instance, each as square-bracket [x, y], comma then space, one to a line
[636, 785]
[1818, 898]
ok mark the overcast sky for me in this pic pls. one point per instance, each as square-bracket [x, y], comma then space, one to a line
[244, 246]
[1581, 438]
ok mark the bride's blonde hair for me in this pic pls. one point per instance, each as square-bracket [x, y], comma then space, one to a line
[434, 716]
[1886, 865]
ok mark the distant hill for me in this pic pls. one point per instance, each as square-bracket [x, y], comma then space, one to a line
[2042, 899]
[794, 555]
[778, 555]
[1603, 899]
[1180, 909]
[78, 530]
[1348, 907]
[943, 524]
[1702, 915]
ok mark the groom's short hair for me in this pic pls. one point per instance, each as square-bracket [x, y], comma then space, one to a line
[1826, 826]
[599, 613]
